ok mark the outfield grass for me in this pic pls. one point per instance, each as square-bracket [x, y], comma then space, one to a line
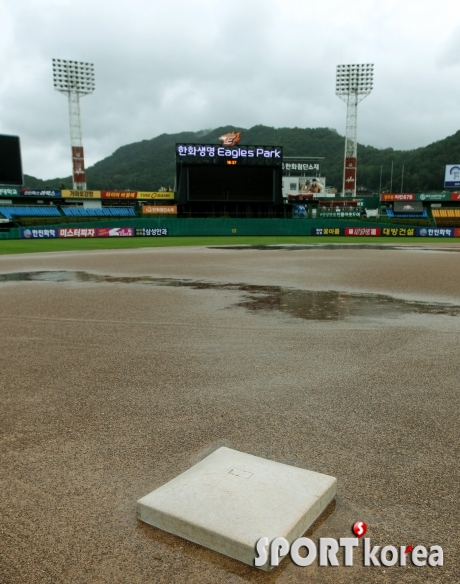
[11, 246]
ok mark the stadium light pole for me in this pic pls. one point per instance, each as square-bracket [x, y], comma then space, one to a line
[75, 79]
[353, 84]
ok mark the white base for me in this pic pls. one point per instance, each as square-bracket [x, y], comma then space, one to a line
[229, 500]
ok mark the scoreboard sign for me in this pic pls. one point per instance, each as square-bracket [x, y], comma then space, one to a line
[210, 154]
[10, 161]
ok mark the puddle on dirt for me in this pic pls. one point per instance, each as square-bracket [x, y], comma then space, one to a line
[304, 304]
[334, 246]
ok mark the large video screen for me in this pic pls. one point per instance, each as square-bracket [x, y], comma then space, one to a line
[231, 184]
[10, 161]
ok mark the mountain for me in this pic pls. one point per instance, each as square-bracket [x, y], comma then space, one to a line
[150, 164]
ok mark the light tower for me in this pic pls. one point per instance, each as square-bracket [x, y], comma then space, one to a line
[353, 84]
[75, 79]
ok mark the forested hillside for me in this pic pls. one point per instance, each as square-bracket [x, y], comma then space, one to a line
[150, 164]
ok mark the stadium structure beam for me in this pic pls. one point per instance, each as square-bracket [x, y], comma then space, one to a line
[353, 84]
[75, 79]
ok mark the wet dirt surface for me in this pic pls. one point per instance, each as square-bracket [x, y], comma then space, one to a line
[305, 304]
[110, 387]
[354, 246]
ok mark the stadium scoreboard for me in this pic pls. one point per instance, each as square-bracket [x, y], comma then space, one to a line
[10, 161]
[210, 173]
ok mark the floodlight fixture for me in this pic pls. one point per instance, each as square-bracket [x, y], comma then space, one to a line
[75, 79]
[353, 84]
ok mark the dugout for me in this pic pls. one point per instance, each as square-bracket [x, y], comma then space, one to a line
[243, 181]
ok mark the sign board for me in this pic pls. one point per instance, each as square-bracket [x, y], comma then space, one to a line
[67, 194]
[9, 192]
[427, 197]
[363, 231]
[338, 212]
[39, 233]
[210, 154]
[305, 188]
[452, 176]
[349, 178]
[327, 231]
[77, 232]
[41, 193]
[300, 168]
[398, 231]
[441, 232]
[152, 232]
[155, 195]
[114, 232]
[119, 194]
[398, 196]
[10, 161]
[78, 164]
[159, 209]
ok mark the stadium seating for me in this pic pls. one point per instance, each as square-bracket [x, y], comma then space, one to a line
[99, 212]
[9, 212]
[446, 217]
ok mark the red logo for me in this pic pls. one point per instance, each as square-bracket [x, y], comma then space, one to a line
[359, 528]
[230, 139]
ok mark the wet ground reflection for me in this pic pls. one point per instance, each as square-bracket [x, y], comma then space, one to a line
[312, 246]
[304, 304]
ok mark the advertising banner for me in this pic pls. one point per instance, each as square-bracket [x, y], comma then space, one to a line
[78, 163]
[152, 232]
[241, 155]
[428, 197]
[398, 196]
[307, 188]
[315, 185]
[398, 232]
[67, 194]
[360, 231]
[456, 232]
[77, 232]
[119, 194]
[350, 174]
[38, 233]
[9, 192]
[155, 195]
[327, 231]
[114, 232]
[159, 209]
[300, 167]
[452, 175]
[45, 193]
[433, 197]
[441, 232]
[338, 212]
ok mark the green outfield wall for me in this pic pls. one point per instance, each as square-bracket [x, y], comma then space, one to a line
[215, 227]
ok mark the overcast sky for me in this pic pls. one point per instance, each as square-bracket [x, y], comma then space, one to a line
[175, 65]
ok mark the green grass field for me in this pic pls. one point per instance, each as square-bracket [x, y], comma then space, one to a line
[10, 246]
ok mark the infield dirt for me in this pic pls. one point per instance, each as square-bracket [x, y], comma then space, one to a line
[112, 386]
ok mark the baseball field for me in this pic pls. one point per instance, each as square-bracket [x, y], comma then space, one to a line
[124, 364]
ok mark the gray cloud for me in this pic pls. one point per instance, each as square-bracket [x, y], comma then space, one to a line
[176, 65]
